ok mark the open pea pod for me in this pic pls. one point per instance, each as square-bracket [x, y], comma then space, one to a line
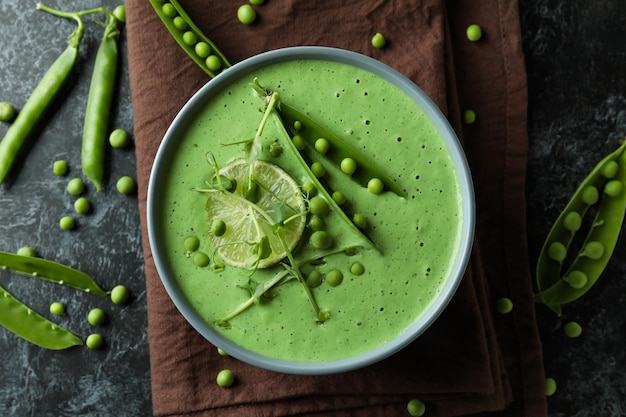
[50, 271]
[608, 178]
[25, 323]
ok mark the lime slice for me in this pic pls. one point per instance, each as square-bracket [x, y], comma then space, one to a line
[245, 224]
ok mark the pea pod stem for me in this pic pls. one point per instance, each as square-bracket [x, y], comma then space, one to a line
[99, 100]
[49, 271]
[42, 96]
[27, 324]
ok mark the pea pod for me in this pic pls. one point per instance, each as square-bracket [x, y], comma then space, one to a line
[604, 187]
[49, 271]
[40, 100]
[101, 89]
[24, 322]
[190, 38]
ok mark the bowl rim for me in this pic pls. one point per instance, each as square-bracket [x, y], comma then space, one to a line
[214, 86]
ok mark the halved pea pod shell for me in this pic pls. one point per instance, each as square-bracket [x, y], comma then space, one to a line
[49, 271]
[554, 290]
[27, 324]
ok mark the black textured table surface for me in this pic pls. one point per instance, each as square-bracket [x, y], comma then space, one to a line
[576, 55]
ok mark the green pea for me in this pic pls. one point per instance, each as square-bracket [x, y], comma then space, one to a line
[257, 2]
[318, 169]
[572, 329]
[297, 125]
[75, 186]
[557, 251]
[322, 145]
[590, 195]
[246, 14]
[126, 185]
[339, 197]
[26, 251]
[550, 387]
[217, 267]
[202, 49]
[180, 23]
[59, 168]
[201, 259]
[378, 41]
[357, 268]
[120, 295]
[222, 352]
[276, 149]
[57, 309]
[316, 223]
[334, 277]
[67, 223]
[314, 278]
[169, 10]
[94, 341]
[359, 221]
[474, 32]
[469, 117]
[610, 169]
[416, 408]
[318, 206]
[594, 250]
[218, 228]
[572, 221]
[7, 112]
[81, 205]
[213, 62]
[576, 279]
[192, 244]
[190, 38]
[309, 188]
[298, 142]
[375, 186]
[348, 166]
[613, 188]
[504, 305]
[225, 378]
[96, 316]
[119, 138]
[321, 239]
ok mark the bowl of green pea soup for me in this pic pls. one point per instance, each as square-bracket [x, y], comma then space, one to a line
[310, 211]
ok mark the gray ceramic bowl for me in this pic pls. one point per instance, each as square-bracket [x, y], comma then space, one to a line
[160, 171]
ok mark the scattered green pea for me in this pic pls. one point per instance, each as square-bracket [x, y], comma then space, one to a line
[201, 259]
[120, 13]
[359, 221]
[469, 117]
[67, 223]
[375, 186]
[126, 185]
[576, 279]
[190, 38]
[7, 111]
[348, 166]
[96, 316]
[202, 49]
[613, 188]
[59, 168]
[26, 251]
[504, 305]
[334, 277]
[246, 14]
[594, 250]
[119, 138]
[474, 32]
[94, 341]
[222, 352]
[218, 227]
[318, 206]
[120, 295]
[316, 223]
[557, 251]
[82, 205]
[321, 239]
[322, 145]
[318, 169]
[339, 197]
[192, 244]
[572, 221]
[309, 188]
[225, 378]
[550, 387]
[357, 268]
[57, 309]
[378, 41]
[314, 278]
[75, 186]
[572, 329]
[276, 149]
[298, 142]
[416, 408]
[213, 62]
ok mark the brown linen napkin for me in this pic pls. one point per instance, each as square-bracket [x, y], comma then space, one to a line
[472, 360]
